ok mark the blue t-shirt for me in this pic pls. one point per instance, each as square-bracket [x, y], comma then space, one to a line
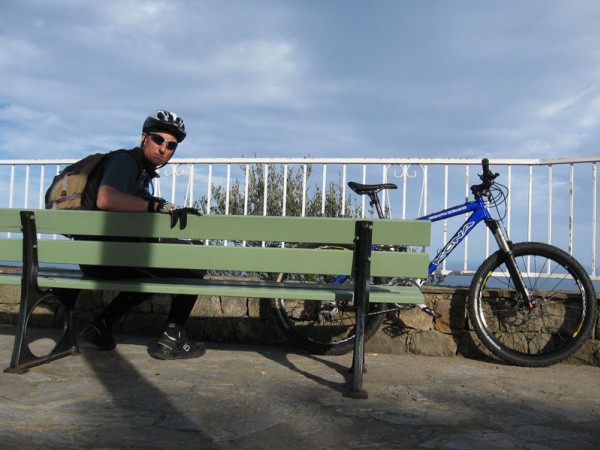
[121, 172]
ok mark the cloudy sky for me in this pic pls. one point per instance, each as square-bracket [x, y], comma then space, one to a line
[322, 78]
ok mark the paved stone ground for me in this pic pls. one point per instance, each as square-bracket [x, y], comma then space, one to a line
[259, 397]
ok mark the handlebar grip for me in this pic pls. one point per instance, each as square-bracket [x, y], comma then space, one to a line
[487, 175]
[486, 166]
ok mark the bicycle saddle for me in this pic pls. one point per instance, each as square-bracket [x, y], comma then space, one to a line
[367, 189]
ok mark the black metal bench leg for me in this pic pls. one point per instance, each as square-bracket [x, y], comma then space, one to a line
[362, 275]
[31, 296]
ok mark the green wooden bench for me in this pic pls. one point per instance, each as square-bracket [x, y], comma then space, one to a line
[34, 241]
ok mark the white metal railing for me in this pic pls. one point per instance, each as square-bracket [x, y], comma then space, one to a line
[550, 200]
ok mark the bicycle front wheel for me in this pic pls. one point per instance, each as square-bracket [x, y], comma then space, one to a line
[556, 324]
[326, 328]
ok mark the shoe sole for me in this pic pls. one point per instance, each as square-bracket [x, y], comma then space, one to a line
[164, 355]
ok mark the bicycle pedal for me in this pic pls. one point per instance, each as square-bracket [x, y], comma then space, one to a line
[430, 312]
[403, 307]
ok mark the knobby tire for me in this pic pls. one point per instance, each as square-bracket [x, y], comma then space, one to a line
[561, 319]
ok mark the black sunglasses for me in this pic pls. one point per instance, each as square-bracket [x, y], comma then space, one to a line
[159, 140]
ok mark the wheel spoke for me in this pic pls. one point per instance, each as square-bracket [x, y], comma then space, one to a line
[323, 327]
[560, 319]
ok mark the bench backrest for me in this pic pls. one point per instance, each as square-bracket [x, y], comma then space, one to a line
[214, 229]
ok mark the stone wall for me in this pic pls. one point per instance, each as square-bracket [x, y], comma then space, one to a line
[239, 320]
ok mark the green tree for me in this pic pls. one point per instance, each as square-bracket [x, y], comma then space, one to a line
[276, 180]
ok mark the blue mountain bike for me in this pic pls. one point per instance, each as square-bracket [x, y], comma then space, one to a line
[530, 303]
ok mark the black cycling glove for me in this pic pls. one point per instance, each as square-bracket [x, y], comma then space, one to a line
[177, 213]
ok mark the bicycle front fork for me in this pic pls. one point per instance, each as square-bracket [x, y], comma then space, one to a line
[506, 248]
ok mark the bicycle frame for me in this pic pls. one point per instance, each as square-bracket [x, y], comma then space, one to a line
[479, 212]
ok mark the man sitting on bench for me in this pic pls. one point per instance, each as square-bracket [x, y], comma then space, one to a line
[121, 183]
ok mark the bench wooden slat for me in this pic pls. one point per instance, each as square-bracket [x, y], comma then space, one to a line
[11, 249]
[217, 227]
[10, 278]
[227, 288]
[10, 220]
[255, 259]
[251, 259]
[238, 288]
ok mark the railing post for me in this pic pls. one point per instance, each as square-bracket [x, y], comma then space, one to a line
[362, 274]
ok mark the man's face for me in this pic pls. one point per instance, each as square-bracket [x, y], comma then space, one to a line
[156, 146]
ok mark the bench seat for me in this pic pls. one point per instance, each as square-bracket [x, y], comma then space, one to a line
[74, 279]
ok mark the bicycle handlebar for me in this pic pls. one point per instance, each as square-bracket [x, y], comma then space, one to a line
[487, 178]
[487, 173]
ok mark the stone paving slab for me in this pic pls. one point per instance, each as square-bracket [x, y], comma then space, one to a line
[259, 397]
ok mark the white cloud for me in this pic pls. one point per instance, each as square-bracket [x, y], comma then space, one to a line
[283, 78]
[582, 107]
[249, 73]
